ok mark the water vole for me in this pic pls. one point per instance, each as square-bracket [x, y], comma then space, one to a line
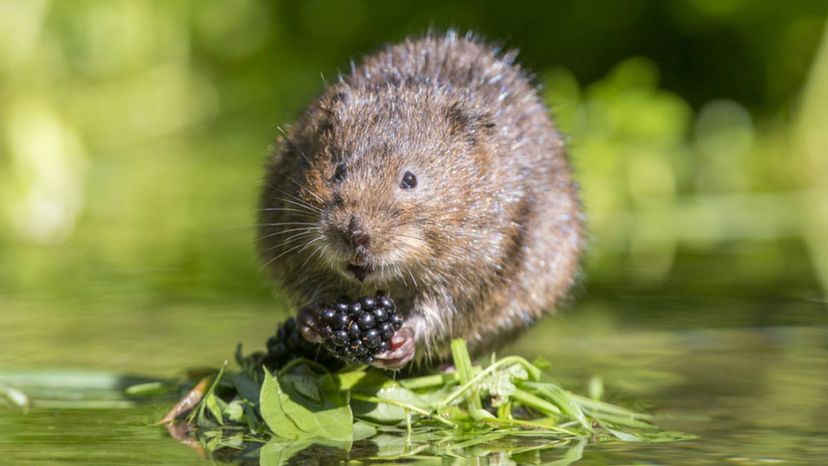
[433, 171]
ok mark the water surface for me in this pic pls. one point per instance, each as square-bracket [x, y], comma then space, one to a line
[752, 394]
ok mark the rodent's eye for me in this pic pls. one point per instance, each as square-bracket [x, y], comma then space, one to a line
[409, 181]
[340, 173]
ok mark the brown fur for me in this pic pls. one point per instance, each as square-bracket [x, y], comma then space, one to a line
[488, 240]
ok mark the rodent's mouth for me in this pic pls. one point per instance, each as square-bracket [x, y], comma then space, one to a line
[360, 272]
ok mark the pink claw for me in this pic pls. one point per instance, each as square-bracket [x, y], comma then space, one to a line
[401, 353]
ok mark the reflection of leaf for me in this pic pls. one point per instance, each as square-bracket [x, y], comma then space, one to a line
[572, 455]
[390, 446]
[279, 452]
[661, 436]
[292, 415]
[363, 430]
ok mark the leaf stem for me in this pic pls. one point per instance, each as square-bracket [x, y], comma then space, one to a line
[534, 373]
[463, 364]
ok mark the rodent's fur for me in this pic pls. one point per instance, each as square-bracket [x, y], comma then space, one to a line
[488, 240]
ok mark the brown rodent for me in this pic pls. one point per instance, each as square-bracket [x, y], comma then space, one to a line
[433, 171]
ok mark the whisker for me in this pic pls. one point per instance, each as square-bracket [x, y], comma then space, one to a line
[302, 205]
[285, 209]
[298, 200]
[292, 144]
[316, 250]
[281, 224]
[296, 237]
[412, 276]
[317, 261]
[289, 230]
[323, 255]
[309, 244]
[307, 190]
[290, 250]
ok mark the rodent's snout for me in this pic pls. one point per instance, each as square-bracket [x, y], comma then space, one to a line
[357, 240]
[355, 237]
[356, 234]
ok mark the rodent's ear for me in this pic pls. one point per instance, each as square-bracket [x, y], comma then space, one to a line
[470, 124]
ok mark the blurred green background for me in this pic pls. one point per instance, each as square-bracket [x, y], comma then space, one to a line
[133, 133]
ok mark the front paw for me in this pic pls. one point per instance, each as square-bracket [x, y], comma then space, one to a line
[307, 318]
[402, 351]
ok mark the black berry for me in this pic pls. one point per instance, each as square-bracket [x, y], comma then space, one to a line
[355, 331]
[288, 344]
[386, 303]
[372, 338]
[387, 330]
[368, 303]
[340, 338]
[366, 320]
[341, 320]
[328, 315]
[293, 341]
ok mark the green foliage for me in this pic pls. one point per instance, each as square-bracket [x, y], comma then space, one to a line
[304, 406]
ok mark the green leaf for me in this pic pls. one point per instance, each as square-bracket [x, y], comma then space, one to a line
[388, 413]
[561, 399]
[499, 384]
[247, 388]
[235, 410]
[291, 414]
[625, 436]
[213, 405]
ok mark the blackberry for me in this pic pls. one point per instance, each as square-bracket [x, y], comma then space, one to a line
[351, 331]
[355, 331]
[288, 344]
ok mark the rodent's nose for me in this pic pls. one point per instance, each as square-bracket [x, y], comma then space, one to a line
[356, 232]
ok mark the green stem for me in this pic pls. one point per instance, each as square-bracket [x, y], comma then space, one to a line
[463, 364]
[202, 405]
[536, 402]
[534, 373]
[603, 407]
[428, 381]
